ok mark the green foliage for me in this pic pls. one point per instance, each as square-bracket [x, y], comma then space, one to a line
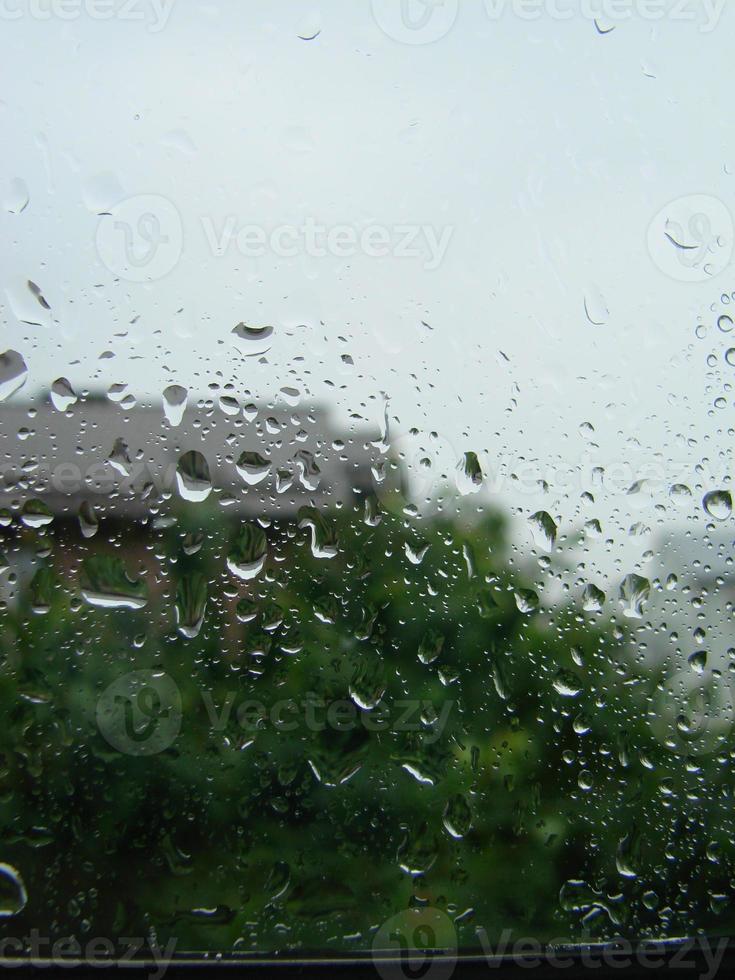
[492, 754]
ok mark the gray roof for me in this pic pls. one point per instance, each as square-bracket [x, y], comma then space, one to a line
[64, 457]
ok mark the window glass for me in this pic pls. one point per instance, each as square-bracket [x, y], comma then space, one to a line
[366, 424]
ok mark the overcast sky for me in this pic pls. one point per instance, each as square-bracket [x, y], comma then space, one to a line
[530, 158]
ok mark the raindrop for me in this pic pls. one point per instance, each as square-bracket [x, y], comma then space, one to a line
[457, 817]
[698, 661]
[634, 592]
[13, 373]
[63, 395]
[718, 504]
[119, 458]
[324, 542]
[17, 198]
[191, 604]
[593, 599]
[469, 474]
[13, 895]
[174, 404]
[595, 307]
[192, 477]
[527, 600]
[253, 468]
[431, 647]
[543, 529]
[88, 521]
[105, 583]
[252, 341]
[566, 684]
[310, 27]
[248, 552]
[36, 514]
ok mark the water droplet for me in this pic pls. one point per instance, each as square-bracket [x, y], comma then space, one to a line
[457, 817]
[119, 458]
[105, 583]
[192, 477]
[469, 474]
[543, 529]
[416, 551]
[88, 521]
[35, 514]
[248, 552]
[627, 856]
[17, 198]
[698, 661]
[730, 356]
[680, 494]
[595, 307]
[13, 895]
[593, 599]
[252, 341]
[725, 323]
[527, 600]
[310, 26]
[13, 373]
[431, 647]
[309, 473]
[253, 468]
[368, 684]
[718, 504]
[174, 404]
[566, 684]
[63, 395]
[634, 592]
[191, 604]
[324, 542]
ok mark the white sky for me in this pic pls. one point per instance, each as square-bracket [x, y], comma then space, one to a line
[547, 147]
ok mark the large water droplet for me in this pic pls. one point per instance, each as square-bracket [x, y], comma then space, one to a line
[174, 404]
[566, 684]
[13, 373]
[634, 592]
[253, 468]
[248, 552]
[543, 528]
[718, 504]
[191, 604]
[192, 477]
[457, 817]
[17, 197]
[252, 341]
[63, 395]
[13, 895]
[104, 582]
[469, 474]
